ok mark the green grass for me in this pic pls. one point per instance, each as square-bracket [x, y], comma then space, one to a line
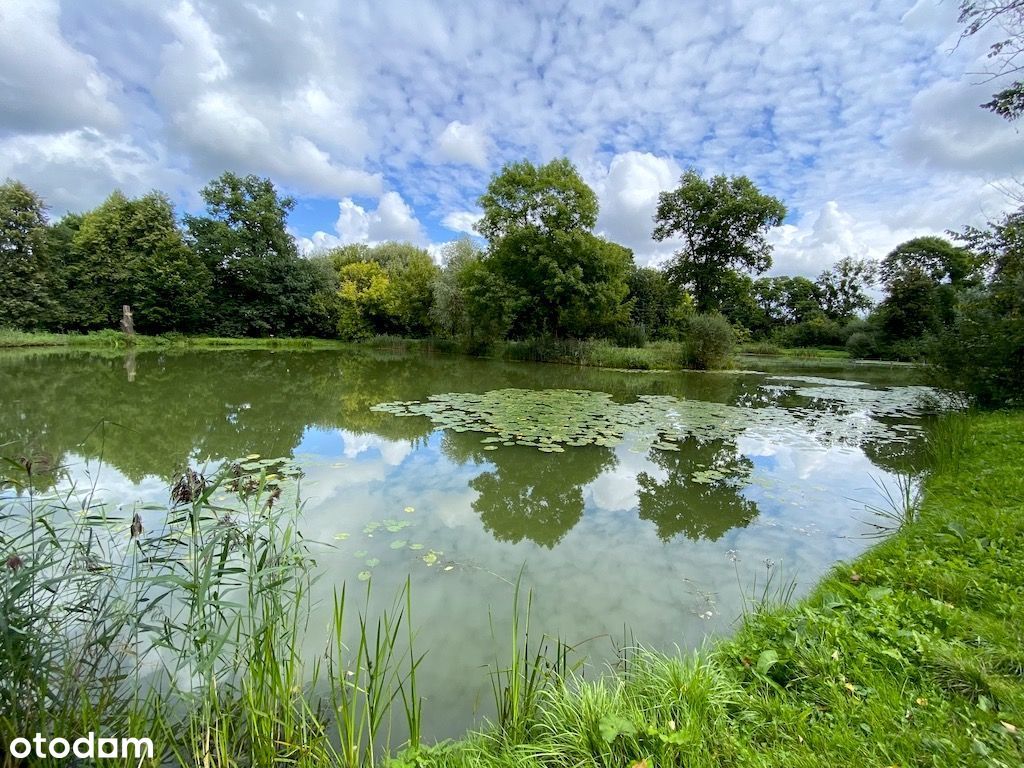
[769, 349]
[913, 655]
[108, 339]
[190, 634]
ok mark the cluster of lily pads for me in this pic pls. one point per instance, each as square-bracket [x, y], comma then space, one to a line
[551, 419]
[429, 556]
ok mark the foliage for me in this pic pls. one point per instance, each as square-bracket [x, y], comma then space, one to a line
[1008, 15]
[550, 274]
[366, 299]
[448, 312]
[548, 199]
[115, 629]
[25, 300]
[568, 283]
[708, 341]
[842, 289]
[911, 653]
[722, 222]
[261, 286]
[132, 252]
[655, 304]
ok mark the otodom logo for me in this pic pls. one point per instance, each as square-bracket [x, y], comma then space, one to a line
[88, 746]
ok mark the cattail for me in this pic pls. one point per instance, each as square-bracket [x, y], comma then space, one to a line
[136, 529]
[190, 486]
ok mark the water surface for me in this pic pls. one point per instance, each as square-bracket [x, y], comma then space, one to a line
[618, 537]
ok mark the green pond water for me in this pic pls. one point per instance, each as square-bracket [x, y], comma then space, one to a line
[648, 504]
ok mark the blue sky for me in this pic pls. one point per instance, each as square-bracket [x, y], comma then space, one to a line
[385, 120]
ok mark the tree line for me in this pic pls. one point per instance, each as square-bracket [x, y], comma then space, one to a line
[544, 273]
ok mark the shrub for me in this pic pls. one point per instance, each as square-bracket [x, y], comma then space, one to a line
[982, 352]
[708, 342]
[818, 331]
[861, 344]
[631, 336]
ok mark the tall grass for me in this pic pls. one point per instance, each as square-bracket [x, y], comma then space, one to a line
[189, 634]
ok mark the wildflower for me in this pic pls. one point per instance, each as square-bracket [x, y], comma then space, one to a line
[14, 562]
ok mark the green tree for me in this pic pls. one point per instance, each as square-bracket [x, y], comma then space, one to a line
[722, 222]
[261, 286]
[655, 304]
[132, 252]
[842, 288]
[25, 298]
[367, 299]
[549, 198]
[923, 278]
[448, 312]
[412, 272]
[981, 350]
[561, 278]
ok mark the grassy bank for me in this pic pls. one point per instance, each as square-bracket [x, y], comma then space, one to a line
[11, 339]
[658, 355]
[913, 655]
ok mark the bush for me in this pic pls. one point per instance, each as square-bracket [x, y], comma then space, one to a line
[819, 331]
[982, 352]
[861, 344]
[631, 336]
[708, 342]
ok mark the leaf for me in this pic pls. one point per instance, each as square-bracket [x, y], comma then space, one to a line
[877, 593]
[767, 660]
[341, 536]
[613, 726]
[409, 510]
[373, 562]
[398, 544]
[364, 576]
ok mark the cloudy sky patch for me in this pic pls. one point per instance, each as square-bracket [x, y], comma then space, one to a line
[385, 120]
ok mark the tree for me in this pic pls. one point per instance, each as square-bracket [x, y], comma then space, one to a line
[843, 287]
[977, 15]
[367, 299]
[132, 252]
[410, 273]
[560, 277]
[550, 198]
[25, 298]
[655, 305]
[722, 222]
[448, 311]
[923, 278]
[260, 284]
[981, 350]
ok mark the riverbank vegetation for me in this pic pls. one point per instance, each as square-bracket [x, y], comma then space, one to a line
[184, 624]
[911, 655]
[543, 286]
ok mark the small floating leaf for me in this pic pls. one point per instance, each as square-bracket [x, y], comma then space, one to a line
[373, 562]
[364, 576]
[341, 536]
[398, 544]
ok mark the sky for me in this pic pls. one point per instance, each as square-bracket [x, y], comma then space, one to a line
[386, 119]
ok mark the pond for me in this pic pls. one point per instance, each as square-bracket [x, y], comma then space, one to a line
[636, 505]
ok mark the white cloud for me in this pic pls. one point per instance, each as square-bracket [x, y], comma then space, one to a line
[45, 83]
[462, 221]
[870, 110]
[393, 219]
[628, 196]
[461, 143]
